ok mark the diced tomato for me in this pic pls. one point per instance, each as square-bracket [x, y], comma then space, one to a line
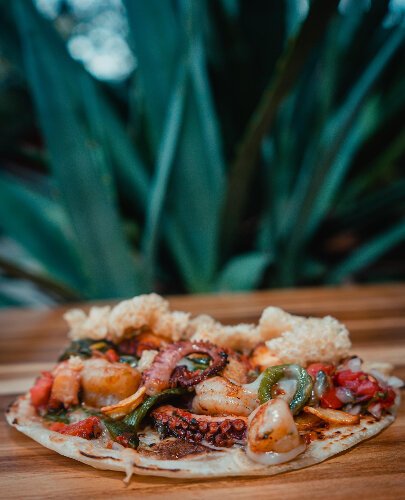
[41, 391]
[359, 383]
[112, 356]
[87, 429]
[314, 368]
[345, 376]
[388, 399]
[123, 440]
[330, 400]
[365, 387]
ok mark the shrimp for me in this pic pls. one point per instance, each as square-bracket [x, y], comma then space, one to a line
[235, 370]
[105, 383]
[66, 384]
[262, 357]
[219, 396]
[272, 428]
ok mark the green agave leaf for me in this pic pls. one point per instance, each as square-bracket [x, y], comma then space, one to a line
[28, 270]
[197, 184]
[165, 159]
[197, 176]
[8, 299]
[287, 73]
[369, 253]
[327, 163]
[243, 272]
[78, 161]
[129, 169]
[14, 294]
[156, 38]
[377, 204]
[378, 169]
[40, 225]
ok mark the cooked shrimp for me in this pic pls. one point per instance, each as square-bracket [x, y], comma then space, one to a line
[235, 370]
[262, 357]
[105, 383]
[219, 396]
[272, 428]
[66, 384]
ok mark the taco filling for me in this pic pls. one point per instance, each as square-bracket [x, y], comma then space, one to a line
[167, 386]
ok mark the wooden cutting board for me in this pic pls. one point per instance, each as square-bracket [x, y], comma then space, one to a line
[375, 315]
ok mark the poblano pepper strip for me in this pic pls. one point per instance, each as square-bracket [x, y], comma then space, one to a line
[117, 429]
[134, 419]
[275, 373]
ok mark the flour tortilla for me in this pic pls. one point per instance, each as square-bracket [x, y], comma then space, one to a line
[203, 463]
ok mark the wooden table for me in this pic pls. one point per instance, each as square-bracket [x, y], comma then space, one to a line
[374, 469]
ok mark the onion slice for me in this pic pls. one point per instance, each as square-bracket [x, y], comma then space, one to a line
[126, 405]
[333, 416]
[345, 395]
[306, 421]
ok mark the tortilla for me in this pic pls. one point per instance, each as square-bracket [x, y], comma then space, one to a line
[204, 463]
[176, 458]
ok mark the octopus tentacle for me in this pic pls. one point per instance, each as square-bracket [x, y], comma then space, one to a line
[219, 431]
[159, 376]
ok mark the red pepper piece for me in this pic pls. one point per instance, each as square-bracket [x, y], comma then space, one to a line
[330, 400]
[86, 429]
[112, 356]
[314, 368]
[41, 391]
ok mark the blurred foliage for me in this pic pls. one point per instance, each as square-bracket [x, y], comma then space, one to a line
[255, 144]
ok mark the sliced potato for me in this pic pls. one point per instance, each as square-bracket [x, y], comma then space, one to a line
[125, 406]
[333, 416]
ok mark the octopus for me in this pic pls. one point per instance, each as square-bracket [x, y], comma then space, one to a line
[135, 346]
[182, 424]
[164, 372]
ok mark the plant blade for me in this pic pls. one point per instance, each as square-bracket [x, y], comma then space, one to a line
[289, 68]
[78, 163]
[243, 272]
[369, 253]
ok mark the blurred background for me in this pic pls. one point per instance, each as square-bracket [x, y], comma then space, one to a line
[188, 146]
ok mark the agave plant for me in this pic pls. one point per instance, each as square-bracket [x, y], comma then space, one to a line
[247, 149]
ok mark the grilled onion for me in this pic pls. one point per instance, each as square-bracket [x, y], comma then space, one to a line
[125, 406]
[333, 416]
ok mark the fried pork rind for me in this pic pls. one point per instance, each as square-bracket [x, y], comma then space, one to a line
[291, 339]
[92, 326]
[295, 339]
[242, 337]
[145, 311]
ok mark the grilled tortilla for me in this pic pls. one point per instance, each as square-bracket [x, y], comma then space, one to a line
[130, 348]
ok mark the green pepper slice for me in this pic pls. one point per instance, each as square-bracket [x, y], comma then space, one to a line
[117, 429]
[275, 373]
[130, 425]
[134, 419]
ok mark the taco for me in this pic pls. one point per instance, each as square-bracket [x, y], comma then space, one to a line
[146, 390]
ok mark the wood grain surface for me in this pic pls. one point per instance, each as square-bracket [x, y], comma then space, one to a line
[375, 315]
